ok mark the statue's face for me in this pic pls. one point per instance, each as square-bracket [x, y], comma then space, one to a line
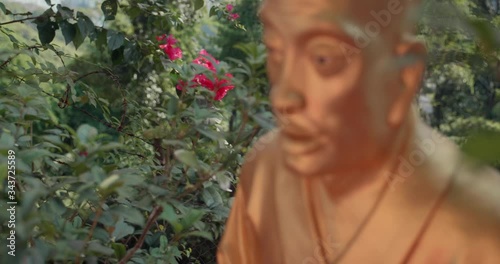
[331, 92]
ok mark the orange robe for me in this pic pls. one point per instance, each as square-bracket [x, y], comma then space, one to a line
[445, 213]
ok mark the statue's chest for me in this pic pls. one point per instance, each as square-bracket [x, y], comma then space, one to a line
[303, 222]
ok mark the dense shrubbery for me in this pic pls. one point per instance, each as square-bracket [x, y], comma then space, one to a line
[126, 151]
[113, 163]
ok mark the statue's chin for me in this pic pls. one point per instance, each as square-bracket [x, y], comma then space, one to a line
[307, 165]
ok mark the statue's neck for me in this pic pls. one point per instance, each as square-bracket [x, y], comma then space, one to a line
[377, 173]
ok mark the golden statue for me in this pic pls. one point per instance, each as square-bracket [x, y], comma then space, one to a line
[352, 174]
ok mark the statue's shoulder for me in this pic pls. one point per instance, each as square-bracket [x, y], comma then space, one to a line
[472, 204]
[477, 188]
[472, 212]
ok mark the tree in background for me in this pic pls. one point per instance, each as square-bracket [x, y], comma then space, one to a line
[463, 80]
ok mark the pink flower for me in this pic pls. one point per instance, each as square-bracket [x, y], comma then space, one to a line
[169, 47]
[219, 86]
[233, 16]
[229, 8]
[206, 60]
[223, 86]
[162, 37]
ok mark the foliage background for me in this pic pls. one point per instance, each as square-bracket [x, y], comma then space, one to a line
[114, 164]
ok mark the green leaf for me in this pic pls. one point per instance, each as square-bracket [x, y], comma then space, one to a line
[191, 218]
[172, 218]
[214, 135]
[131, 53]
[30, 155]
[77, 222]
[48, 2]
[129, 214]
[86, 26]
[485, 34]
[109, 182]
[262, 121]
[213, 11]
[163, 242]
[211, 197]
[203, 234]
[68, 31]
[198, 4]
[85, 133]
[109, 8]
[114, 39]
[96, 247]
[484, 146]
[187, 157]
[119, 249]
[109, 146]
[101, 38]
[13, 39]
[65, 12]
[117, 56]
[4, 10]
[178, 143]
[122, 230]
[47, 32]
[172, 105]
[6, 141]
[78, 39]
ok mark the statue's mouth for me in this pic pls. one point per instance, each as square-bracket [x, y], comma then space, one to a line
[295, 143]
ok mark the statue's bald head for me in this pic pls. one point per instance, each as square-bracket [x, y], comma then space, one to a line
[391, 19]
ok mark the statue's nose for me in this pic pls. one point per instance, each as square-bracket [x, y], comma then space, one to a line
[287, 101]
[288, 94]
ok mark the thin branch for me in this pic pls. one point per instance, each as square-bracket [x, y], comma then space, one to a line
[152, 218]
[18, 20]
[87, 74]
[98, 214]
[8, 60]
[243, 124]
[15, 55]
[132, 154]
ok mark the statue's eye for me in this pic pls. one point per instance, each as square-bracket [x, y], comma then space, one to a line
[323, 60]
[328, 65]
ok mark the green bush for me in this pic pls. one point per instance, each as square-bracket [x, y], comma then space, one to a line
[112, 162]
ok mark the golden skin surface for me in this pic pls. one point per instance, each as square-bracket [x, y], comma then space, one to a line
[333, 104]
[351, 174]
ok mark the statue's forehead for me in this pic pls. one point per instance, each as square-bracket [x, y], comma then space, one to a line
[349, 18]
[358, 11]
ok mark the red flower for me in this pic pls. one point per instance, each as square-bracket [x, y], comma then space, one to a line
[219, 86]
[206, 60]
[169, 47]
[229, 8]
[233, 16]
[223, 87]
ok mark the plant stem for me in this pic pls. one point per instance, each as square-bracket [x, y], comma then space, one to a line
[17, 20]
[152, 218]
[92, 228]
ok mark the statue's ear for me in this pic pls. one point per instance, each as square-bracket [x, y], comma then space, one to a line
[412, 56]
